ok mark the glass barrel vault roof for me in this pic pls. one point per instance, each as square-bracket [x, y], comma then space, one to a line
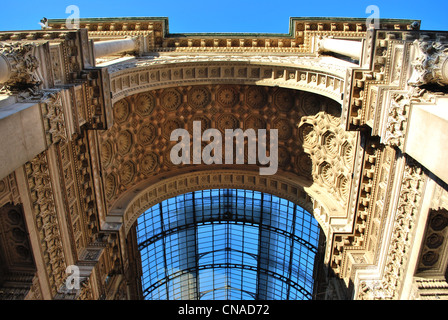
[227, 244]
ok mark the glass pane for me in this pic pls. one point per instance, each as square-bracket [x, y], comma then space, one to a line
[227, 244]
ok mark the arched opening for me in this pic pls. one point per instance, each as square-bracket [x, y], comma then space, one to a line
[228, 244]
[317, 157]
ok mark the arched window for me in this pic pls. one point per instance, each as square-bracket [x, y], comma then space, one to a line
[227, 244]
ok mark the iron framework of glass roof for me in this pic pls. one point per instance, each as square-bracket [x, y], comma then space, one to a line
[227, 244]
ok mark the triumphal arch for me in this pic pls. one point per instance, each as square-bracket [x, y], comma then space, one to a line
[86, 117]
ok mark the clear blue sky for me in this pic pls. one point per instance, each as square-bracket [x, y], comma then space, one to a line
[223, 16]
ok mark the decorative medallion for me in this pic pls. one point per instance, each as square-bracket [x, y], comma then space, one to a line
[199, 97]
[284, 128]
[344, 187]
[310, 104]
[308, 135]
[147, 134]
[121, 111]
[430, 258]
[170, 125]
[227, 96]
[255, 122]
[439, 221]
[106, 152]
[144, 104]
[284, 100]
[171, 99]
[347, 153]
[327, 172]
[304, 164]
[227, 121]
[127, 172]
[330, 143]
[14, 216]
[149, 162]
[434, 241]
[256, 97]
[110, 185]
[124, 142]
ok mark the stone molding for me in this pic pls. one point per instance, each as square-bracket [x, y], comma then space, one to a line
[402, 236]
[150, 75]
[212, 179]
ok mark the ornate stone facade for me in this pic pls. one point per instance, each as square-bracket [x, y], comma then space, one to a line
[87, 147]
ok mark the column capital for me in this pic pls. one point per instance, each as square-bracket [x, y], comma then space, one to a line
[18, 64]
[430, 64]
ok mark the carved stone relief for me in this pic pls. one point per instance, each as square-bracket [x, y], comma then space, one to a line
[430, 64]
[406, 215]
[46, 219]
[139, 148]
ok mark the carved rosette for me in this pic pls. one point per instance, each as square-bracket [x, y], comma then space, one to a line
[171, 100]
[121, 111]
[227, 96]
[144, 104]
[199, 97]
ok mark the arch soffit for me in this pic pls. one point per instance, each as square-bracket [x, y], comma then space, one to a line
[330, 214]
[135, 77]
[284, 185]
